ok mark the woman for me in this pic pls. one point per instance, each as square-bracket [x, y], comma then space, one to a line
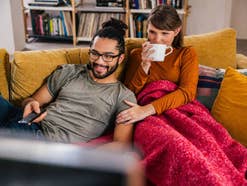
[182, 65]
[181, 143]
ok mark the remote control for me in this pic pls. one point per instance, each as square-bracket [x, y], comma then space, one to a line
[32, 116]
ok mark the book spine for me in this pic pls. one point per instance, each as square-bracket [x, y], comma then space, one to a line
[134, 4]
[40, 17]
[63, 23]
[46, 24]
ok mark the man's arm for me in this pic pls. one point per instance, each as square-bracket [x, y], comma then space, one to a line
[122, 138]
[43, 95]
[123, 133]
[38, 99]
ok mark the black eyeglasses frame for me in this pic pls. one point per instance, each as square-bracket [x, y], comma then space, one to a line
[102, 55]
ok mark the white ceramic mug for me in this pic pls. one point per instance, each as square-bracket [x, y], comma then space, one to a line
[159, 53]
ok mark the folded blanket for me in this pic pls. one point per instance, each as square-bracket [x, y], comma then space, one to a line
[186, 146]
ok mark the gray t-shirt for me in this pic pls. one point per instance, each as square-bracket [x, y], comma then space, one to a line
[82, 108]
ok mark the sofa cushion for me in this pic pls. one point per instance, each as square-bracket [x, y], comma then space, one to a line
[4, 69]
[132, 43]
[231, 104]
[241, 61]
[215, 49]
[29, 69]
[209, 83]
[77, 55]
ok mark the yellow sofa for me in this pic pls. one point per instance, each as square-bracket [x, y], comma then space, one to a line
[21, 77]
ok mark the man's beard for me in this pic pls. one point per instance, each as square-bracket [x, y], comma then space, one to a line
[91, 66]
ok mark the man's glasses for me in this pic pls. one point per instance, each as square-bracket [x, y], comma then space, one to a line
[94, 55]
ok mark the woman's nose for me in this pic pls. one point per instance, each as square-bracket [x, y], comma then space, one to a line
[158, 39]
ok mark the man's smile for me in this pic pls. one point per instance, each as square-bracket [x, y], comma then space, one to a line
[100, 68]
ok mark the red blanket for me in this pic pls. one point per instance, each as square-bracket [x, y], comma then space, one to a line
[186, 146]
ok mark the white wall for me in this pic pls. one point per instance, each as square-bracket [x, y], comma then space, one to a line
[208, 15]
[239, 16]
[12, 36]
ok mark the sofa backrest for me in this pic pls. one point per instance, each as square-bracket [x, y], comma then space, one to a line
[215, 49]
[30, 68]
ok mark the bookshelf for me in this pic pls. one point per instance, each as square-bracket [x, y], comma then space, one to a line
[90, 17]
[140, 9]
[79, 20]
[50, 22]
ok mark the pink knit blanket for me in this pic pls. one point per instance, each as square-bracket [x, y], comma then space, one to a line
[186, 146]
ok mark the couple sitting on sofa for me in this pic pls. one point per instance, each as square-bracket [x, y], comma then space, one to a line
[181, 143]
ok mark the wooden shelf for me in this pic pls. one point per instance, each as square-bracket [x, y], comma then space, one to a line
[100, 9]
[147, 11]
[83, 39]
[51, 37]
[51, 8]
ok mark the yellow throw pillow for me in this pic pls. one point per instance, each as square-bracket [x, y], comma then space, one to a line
[230, 106]
[30, 68]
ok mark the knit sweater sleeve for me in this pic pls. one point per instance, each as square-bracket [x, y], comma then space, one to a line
[187, 84]
[135, 77]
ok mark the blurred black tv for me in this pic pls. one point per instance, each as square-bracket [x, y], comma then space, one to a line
[29, 162]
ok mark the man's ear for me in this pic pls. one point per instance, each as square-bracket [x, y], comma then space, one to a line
[121, 58]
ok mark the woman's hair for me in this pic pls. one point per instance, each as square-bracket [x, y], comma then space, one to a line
[165, 17]
[113, 29]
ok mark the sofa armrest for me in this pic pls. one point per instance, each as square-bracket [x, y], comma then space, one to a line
[241, 61]
[4, 73]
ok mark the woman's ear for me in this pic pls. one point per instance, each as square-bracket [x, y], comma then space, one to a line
[121, 58]
[177, 30]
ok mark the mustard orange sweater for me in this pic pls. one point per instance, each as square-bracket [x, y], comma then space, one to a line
[180, 67]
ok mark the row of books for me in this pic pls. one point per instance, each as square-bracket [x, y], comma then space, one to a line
[89, 23]
[110, 3]
[52, 2]
[149, 4]
[139, 26]
[46, 24]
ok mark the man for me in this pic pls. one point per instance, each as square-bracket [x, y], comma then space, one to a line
[82, 101]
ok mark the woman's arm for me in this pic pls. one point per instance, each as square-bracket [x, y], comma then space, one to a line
[138, 68]
[187, 84]
[135, 113]
[186, 92]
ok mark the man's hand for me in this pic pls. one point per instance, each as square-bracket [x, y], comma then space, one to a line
[135, 113]
[33, 106]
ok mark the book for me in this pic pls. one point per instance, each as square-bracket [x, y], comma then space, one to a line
[40, 22]
[68, 22]
[46, 26]
[65, 32]
[134, 4]
[110, 3]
